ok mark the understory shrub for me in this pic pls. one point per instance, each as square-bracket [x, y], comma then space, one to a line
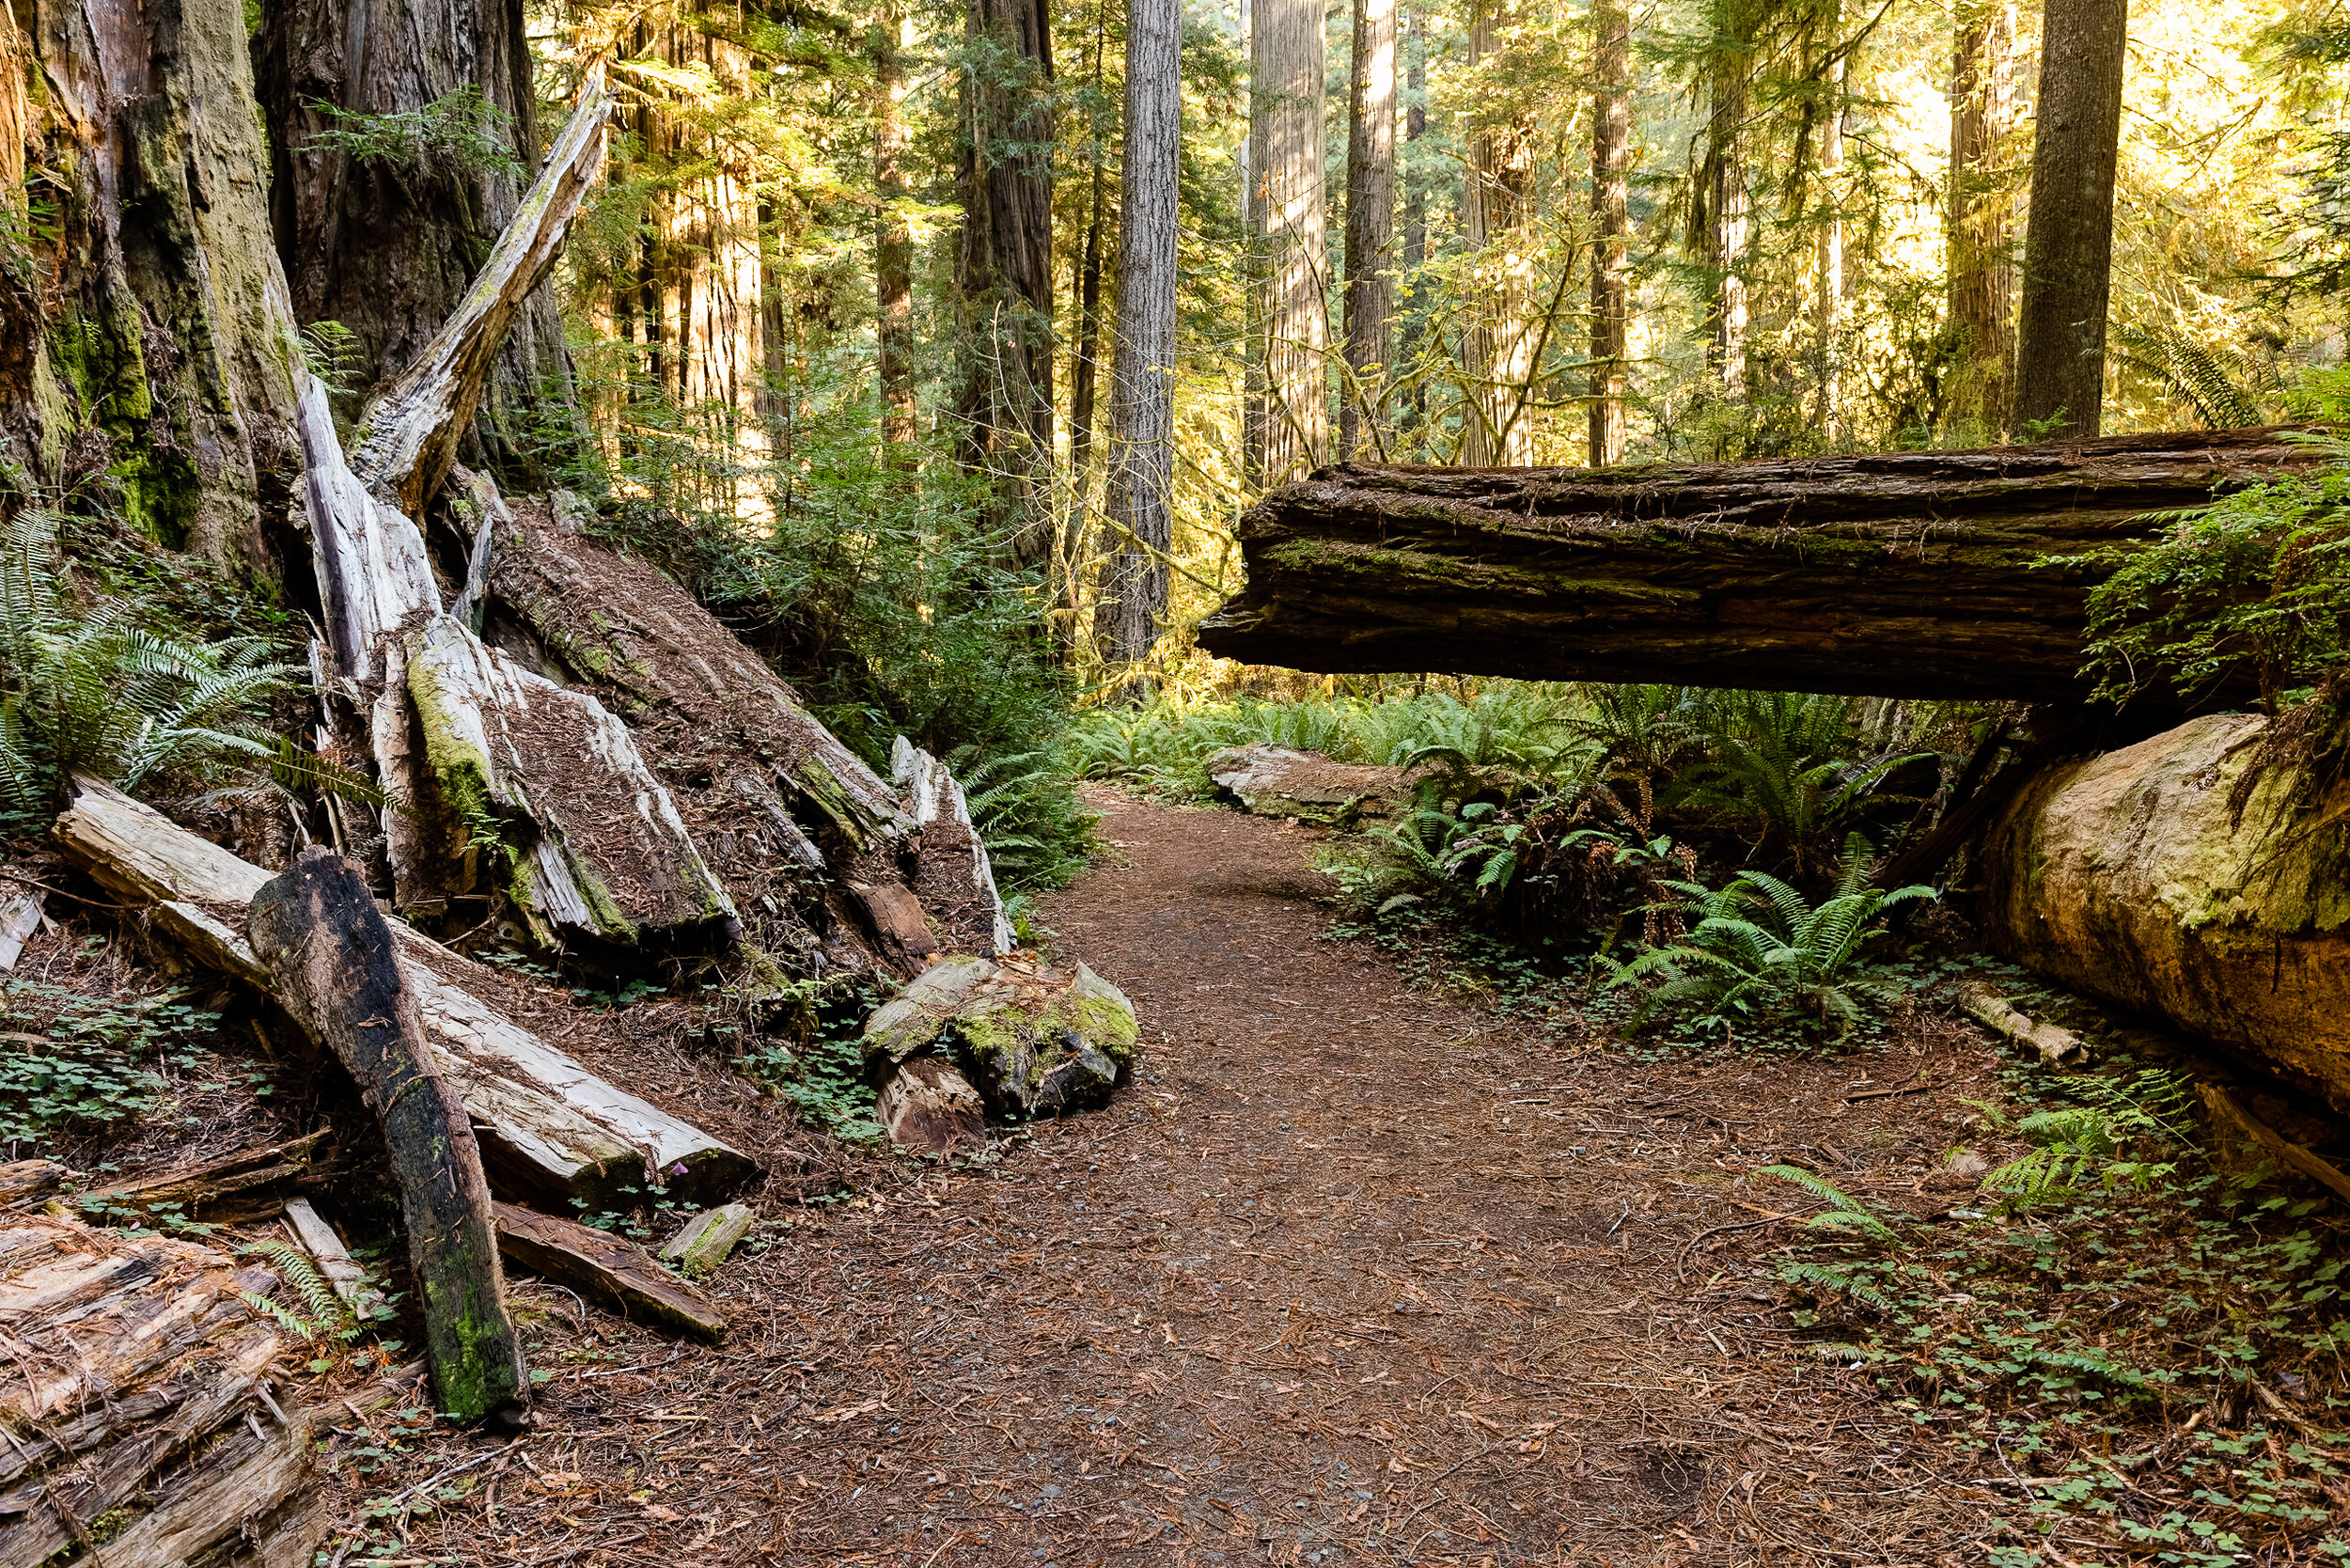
[71, 1062]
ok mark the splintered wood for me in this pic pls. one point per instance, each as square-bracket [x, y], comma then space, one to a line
[138, 1402]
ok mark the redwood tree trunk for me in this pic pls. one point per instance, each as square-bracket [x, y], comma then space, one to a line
[1291, 416]
[893, 241]
[1497, 191]
[2068, 248]
[387, 246]
[1611, 220]
[1976, 230]
[1369, 224]
[1137, 507]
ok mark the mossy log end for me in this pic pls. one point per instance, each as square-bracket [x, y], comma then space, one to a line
[1910, 574]
[338, 970]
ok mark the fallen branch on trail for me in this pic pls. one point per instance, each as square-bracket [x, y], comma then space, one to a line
[610, 1269]
[548, 1126]
[1908, 575]
[338, 972]
[2056, 1046]
[137, 1393]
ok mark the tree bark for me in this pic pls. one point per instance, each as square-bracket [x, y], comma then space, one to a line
[1138, 517]
[1290, 337]
[1722, 207]
[1827, 322]
[893, 240]
[1004, 269]
[1369, 229]
[388, 245]
[613, 1270]
[2068, 247]
[1414, 199]
[1498, 198]
[338, 972]
[1611, 222]
[1981, 277]
[1908, 575]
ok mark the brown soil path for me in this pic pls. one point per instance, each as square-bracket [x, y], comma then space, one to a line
[1352, 1273]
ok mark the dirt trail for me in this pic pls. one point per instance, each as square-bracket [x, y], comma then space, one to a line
[1351, 1274]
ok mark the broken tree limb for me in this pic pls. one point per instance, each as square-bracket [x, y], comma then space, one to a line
[409, 432]
[338, 972]
[704, 1241]
[611, 1269]
[1909, 574]
[20, 916]
[335, 1265]
[548, 1126]
[2055, 1046]
[137, 1394]
[374, 579]
[230, 1190]
[2223, 1108]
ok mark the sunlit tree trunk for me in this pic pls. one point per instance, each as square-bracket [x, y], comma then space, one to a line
[1611, 218]
[1828, 292]
[1721, 201]
[1083, 372]
[1369, 224]
[1498, 204]
[1138, 506]
[1291, 337]
[2068, 248]
[386, 245]
[1004, 269]
[1415, 196]
[1982, 276]
[893, 241]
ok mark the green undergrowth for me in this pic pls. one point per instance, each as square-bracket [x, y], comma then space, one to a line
[71, 1063]
[2143, 1353]
[810, 1054]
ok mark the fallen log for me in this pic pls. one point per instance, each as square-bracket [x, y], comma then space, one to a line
[1909, 574]
[1033, 1041]
[2129, 877]
[2055, 1046]
[338, 972]
[2222, 1108]
[138, 1394]
[231, 1190]
[548, 1126]
[335, 1265]
[610, 1269]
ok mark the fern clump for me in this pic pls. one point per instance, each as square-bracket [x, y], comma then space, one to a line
[2102, 1143]
[1762, 954]
[1844, 1213]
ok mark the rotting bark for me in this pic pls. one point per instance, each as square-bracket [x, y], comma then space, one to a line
[138, 1394]
[548, 1126]
[1910, 574]
[233, 1189]
[339, 971]
[611, 1269]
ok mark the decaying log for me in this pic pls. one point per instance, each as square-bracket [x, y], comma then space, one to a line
[409, 432]
[927, 1105]
[336, 1264]
[548, 1126]
[611, 1269]
[704, 1241]
[338, 972]
[1908, 575]
[955, 879]
[374, 578]
[1034, 1041]
[2128, 877]
[772, 796]
[23, 1178]
[1276, 781]
[231, 1190]
[138, 1386]
[20, 916]
[2056, 1046]
[2223, 1109]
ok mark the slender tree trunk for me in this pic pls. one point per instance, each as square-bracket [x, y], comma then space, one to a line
[1068, 566]
[1138, 505]
[1291, 416]
[1004, 271]
[2068, 248]
[1829, 293]
[1497, 199]
[893, 241]
[1611, 219]
[386, 246]
[1414, 199]
[1722, 201]
[1981, 277]
[1369, 224]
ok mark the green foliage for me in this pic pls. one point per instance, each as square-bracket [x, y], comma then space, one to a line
[333, 352]
[1844, 1213]
[1761, 954]
[460, 132]
[2256, 584]
[1787, 770]
[2078, 1146]
[97, 693]
[821, 1075]
[1036, 833]
[69, 1061]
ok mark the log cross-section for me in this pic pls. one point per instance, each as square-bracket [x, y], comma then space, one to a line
[1909, 574]
[337, 970]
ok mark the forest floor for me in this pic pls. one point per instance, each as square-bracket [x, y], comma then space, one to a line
[1353, 1271]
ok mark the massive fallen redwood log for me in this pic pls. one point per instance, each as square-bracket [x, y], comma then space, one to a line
[548, 1126]
[138, 1395]
[1906, 575]
[338, 972]
[2128, 876]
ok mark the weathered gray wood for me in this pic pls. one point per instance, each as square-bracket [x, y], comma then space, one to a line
[337, 970]
[955, 881]
[611, 1269]
[1890, 574]
[704, 1241]
[549, 1126]
[408, 436]
[336, 1264]
[2055, 1046]
[20, 916]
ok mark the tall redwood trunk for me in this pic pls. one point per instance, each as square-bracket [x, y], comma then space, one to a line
[2068, 248]
[1290, 413]
[1498, 344]
[1369, 224]
[387, 246]
[1976, 213]
[1722, 215]
[1611, 219]
[893, 241]
[1004, 269]
[1414, 199]
[1827, 322]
